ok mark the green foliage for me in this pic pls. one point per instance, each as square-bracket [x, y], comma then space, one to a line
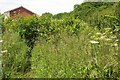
[94, 12]
[47, 15]
[84, 10]
[13, 60]
[64, 45]
[61, 15]
[28, 29]
[117, 11]
[1, 18]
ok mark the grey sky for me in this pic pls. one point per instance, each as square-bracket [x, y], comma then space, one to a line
[40, 6]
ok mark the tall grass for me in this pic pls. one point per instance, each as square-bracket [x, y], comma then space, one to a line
[13, 59]
[74, 57]
[0, 52]
[90, 53]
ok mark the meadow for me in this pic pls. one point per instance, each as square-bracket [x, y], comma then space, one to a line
[45, 47]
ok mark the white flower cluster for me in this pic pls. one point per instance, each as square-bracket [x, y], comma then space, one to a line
[94, 42]
[4, 51]
[1, 41]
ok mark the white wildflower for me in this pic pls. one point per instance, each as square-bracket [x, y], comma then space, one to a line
[111, 32]
[4, 51]
[98, 33]
[94, 42]
[1, 41]
[117, 40]
[116, 44]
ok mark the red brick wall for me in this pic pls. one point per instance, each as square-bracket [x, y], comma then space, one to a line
[20, 12]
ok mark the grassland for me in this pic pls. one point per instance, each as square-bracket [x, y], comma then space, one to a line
[66, 48]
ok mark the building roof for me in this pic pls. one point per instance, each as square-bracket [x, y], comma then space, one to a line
[19, 8]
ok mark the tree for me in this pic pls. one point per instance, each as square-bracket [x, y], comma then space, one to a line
[47, 15]
[61, 15]
[29, 32]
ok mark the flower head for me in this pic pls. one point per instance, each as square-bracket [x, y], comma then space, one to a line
[94, 42]
[4, 51]
[1, 41]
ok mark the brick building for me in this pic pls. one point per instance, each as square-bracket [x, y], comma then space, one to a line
[20, 11]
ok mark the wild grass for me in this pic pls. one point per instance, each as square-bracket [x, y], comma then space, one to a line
[86, 55]
[74, 57]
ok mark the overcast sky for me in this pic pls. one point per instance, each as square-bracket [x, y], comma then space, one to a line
[40, 6]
